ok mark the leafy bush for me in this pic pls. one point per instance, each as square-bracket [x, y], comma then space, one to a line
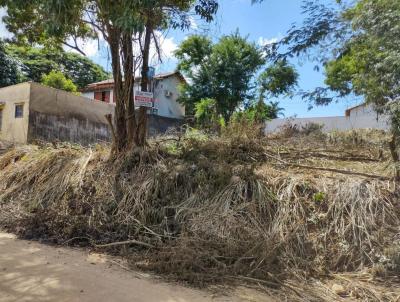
[206, 115]
[311, 128]
[57, 79]
[290, 129]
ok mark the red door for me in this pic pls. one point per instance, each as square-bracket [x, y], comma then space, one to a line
[97, 95]
[106, 96]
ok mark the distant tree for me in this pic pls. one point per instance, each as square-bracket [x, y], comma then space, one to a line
[37, 62]
[192, 53]
[275, 111]
[278, 78]
[56, 79]
[81, 70]
[259, 112]
[226, 72]
[10, 72]
[223, 71]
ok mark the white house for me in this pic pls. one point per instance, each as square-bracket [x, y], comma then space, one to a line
[165, 88]
[362, 116]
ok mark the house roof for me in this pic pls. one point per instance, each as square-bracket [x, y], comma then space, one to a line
[108, 84]
[348, 110]
[357, 106]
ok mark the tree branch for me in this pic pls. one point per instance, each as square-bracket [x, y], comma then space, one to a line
[76, 47]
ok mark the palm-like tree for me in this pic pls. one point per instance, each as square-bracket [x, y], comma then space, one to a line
[275, 110]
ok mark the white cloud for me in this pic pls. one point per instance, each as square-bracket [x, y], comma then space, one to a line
[193, 23]
[167, 46]
[4, 33]
[265, 41]
[89, 47]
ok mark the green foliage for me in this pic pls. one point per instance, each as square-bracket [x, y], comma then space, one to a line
[10, 73]
[258, 113]
[193, 52]
[274, 110]
[54, 22]
[47, 22]
[279, 78]
[206, 112]
[119, 23]
[81, 70]
[223, 71]
[226, 72]
[369, 62]
[56, 79]
[356, 41]
[37, 62]
[319, 197]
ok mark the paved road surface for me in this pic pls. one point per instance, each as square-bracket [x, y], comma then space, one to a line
[30, 271]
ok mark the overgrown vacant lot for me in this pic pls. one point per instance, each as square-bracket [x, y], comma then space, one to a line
[306, 216]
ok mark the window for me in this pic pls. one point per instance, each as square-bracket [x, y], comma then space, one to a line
[103, 96]
[19, 110]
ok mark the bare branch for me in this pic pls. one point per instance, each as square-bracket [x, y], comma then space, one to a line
[75, 47]
[158, 49]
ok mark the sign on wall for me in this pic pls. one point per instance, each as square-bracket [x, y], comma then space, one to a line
[144, 99]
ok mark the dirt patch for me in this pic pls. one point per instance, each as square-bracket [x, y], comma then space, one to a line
[266, 212]
[30, 271]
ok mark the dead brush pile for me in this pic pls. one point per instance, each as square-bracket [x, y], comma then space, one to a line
[203, 210]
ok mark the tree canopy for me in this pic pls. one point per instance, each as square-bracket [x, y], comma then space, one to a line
[369, 62]
[10, 72]
[39, 61]
[355, 41]
[56, 79]
[226, 72]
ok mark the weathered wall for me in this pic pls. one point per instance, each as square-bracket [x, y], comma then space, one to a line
[160, 124]
[335, 123]
[14, 129]
[57, 115]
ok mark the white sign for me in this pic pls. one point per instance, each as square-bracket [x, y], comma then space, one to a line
[144, 99]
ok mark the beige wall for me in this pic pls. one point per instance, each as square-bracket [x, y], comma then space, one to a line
[57, 102]
[14, 129]
[51, 114]
[56, 115]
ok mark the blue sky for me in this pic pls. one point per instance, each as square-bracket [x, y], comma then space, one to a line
[260, 22]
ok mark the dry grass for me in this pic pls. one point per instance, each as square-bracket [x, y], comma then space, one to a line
[218, 209]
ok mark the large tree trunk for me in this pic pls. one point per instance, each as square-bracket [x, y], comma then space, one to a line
[120, 143]
[144, 84]
[128, 64]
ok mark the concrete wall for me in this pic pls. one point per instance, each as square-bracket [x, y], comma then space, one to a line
[342, 123]
[14, 129]
[363, 110]
[160, 124]
[57, 115]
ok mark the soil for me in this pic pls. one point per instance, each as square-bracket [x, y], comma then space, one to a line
[30, 271]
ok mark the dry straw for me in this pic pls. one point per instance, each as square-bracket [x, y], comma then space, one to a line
[214, 209]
